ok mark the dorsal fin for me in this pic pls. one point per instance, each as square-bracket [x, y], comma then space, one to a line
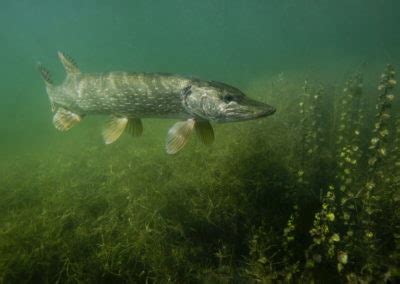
[69, 64]
[45, 74]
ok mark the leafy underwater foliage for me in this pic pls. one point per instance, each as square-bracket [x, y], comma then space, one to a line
[310, 194]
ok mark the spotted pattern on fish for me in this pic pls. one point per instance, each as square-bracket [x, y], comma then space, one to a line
[127, 94]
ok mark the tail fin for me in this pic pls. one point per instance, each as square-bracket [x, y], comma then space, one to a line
[45, 74]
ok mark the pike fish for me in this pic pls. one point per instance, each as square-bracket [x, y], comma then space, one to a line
[129, 97]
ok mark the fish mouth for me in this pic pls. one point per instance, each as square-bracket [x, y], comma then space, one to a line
[254, 109]
[250, 112]
[269, 110]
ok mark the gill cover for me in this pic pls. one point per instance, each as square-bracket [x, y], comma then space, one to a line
[201, 102]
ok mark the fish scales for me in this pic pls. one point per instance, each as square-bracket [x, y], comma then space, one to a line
[131, 94]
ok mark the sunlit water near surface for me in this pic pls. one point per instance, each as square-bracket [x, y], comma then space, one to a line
[295, 196]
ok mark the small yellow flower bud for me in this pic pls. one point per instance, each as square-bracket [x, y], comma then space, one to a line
[374, 140]
[335, 238]
[340, 267]
[370, 185]
[330, 216]
[262, 260]
[384, 132]
[390, 97]
[369, 235]
[342, 257]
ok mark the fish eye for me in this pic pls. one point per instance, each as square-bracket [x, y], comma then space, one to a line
[228, 98]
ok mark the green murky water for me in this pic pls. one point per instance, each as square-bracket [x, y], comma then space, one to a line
[311, 193]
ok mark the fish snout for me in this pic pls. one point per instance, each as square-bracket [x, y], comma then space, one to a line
[266, 111]
[259, 109]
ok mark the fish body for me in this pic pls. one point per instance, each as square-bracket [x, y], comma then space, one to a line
[129, 97]
[134, 95]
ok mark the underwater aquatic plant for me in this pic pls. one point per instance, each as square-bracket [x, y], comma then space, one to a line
[381, 131]
[345, 230]
[312, 134]
[348, 132]
[363, 196]
[374, 194]
[348, 162]
[379, 142]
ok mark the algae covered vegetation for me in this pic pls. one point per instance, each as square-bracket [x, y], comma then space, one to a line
[310, 194]
[313, 196]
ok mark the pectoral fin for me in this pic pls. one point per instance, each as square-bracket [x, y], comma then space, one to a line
[178, 135]
[205, 132]
[64, 119]
[113, 129]
[135, 127]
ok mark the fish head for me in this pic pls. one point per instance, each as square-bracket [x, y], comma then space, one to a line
[220, 102]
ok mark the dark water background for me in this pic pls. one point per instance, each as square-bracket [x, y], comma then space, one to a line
[266, 48]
